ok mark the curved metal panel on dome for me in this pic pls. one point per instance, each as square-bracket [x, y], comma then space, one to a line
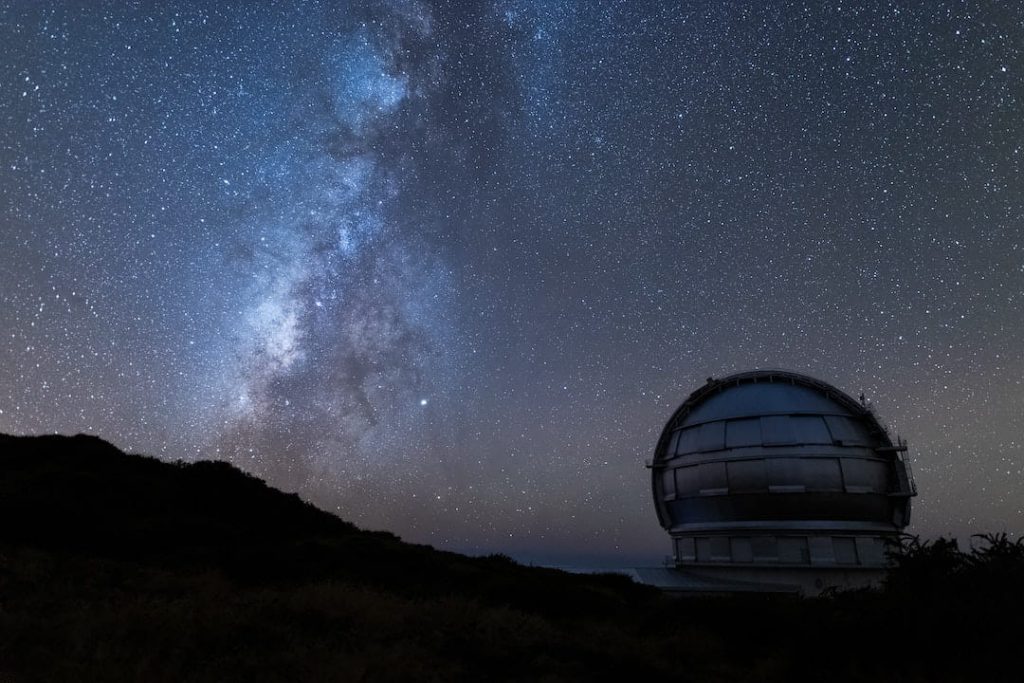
[777, 469]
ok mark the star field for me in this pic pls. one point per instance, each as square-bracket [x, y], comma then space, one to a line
[446, 268]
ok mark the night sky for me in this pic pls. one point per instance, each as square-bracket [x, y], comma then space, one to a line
[447, 268]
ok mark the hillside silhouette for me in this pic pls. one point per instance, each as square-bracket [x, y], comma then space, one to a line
[117, 567]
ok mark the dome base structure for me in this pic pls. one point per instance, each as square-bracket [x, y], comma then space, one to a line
[776, 478]
[728, 581]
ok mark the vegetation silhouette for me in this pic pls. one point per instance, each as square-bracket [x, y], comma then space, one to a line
[117, 567]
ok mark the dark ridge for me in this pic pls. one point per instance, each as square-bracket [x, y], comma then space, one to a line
[81, 495]
[117, 567]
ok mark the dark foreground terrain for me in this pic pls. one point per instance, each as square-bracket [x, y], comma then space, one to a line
[117, 567]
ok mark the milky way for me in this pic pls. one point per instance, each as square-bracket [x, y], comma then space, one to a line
[345, 322]
[445, 268]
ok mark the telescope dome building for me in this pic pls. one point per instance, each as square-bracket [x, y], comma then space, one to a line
[773, 478]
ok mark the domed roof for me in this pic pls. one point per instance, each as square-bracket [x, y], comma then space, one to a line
[773, 394]
[813, 411]
[770, 468]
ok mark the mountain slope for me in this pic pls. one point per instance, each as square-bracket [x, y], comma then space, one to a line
[117, 567]
[80, 495]
[110, 562]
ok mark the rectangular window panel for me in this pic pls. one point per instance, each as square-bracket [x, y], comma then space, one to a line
[864, 476]
[740, 433]
[793, 550]
[766, 548]
[784, 475]
[687, 481]
[748, 476]
[810, 429]
[821, 474]
[845, 550]
[821, 550]
[668, 480]
[713, 479]
[870, 550]
[720, 551]
[711, 437]
[776, 431]
[742, 550]
[844, 430]
[688, 440]
[686, 550]
[704, 549]
[673, 444]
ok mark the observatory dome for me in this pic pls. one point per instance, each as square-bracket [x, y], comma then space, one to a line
[773, 471]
